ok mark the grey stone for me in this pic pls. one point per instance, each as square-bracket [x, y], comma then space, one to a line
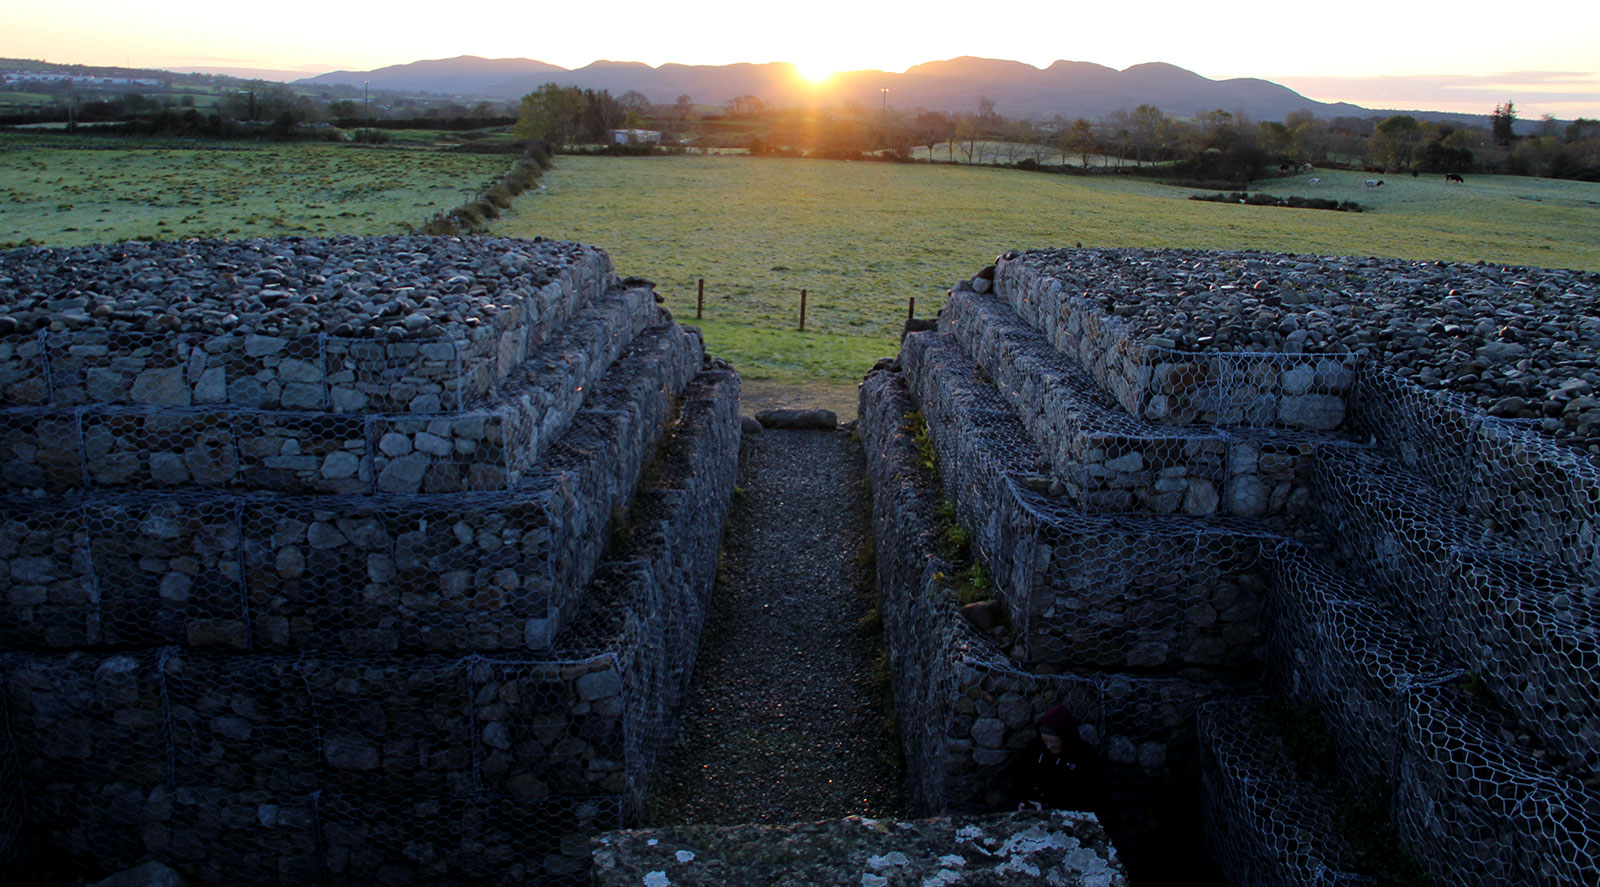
[340, 465]
[212, 386]
[432, 444]
[989, 732]
[403, 475]
[167, 469]
[347, 752]
[597, 684]
[263, 346]
[394, 443]
[749, 425]
[165, 386]
[302, 396]
[791, 419]
[145, 874]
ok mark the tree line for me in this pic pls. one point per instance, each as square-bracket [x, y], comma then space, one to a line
[1215, 145]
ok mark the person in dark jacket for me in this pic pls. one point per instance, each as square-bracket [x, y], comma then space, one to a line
[1058, 769]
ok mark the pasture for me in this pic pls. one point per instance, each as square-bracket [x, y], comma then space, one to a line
[107, 190]
[862, 238]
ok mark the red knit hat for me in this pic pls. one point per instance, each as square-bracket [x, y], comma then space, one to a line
[1057, 721]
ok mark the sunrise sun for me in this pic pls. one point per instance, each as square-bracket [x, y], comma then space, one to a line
[813, 72]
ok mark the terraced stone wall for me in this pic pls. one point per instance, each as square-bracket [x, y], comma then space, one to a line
[1179, 467]
[391, 634]
[965, 705]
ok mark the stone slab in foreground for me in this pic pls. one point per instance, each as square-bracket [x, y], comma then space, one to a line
[1059, 848]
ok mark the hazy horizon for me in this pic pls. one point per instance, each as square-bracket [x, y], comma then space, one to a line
[1376, 55]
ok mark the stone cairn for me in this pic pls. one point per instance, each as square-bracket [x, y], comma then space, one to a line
[348, 561]
[1205, 489]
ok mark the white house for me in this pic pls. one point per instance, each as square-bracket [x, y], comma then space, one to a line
[636, 136]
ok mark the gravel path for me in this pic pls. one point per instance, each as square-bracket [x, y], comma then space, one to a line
[780, 724]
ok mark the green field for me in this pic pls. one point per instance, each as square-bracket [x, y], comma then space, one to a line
[862, 238]
[98, 191]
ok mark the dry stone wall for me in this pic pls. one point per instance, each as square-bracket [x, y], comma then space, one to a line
[1249, 464]
[436, 632]
[966, 705]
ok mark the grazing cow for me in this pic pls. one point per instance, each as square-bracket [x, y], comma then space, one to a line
[1283, 168]
[1306, 167]
[1454, 177]
[1374, 183]
[1316, 181]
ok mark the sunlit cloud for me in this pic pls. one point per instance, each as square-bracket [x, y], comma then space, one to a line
[1559, 93]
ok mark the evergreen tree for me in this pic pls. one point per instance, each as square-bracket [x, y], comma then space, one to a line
[1501, 123]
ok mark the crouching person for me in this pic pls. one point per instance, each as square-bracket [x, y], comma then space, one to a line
[1057, 770]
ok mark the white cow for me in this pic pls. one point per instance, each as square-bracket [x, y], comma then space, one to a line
[1374, 183]
[1316, 181]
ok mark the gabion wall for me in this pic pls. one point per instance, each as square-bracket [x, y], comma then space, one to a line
[965, 705]
[342, 644]
[1424, 572]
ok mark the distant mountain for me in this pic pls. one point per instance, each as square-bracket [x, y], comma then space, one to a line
[1071, 89]
[463, 75]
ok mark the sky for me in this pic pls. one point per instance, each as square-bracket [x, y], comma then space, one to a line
[1403, 54]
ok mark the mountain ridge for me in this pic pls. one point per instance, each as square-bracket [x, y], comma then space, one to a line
[1018, 89]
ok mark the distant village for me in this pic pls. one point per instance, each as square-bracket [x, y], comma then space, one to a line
[59, 78]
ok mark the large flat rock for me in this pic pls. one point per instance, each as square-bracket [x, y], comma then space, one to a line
[1059, 848]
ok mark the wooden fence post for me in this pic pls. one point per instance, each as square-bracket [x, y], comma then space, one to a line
[700, 300]
[802, 311]
[911, 309]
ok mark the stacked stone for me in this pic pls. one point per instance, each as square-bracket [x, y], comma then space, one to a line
[1135, 491]
[1015, 849]
[965, 704]
[1500, 620]
[1107, 460]
[1514, 342]
[1249, 780]
[1475, 534]
[354, 637]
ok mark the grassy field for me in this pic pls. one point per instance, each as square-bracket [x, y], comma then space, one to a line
[110, 190]
[862, 238]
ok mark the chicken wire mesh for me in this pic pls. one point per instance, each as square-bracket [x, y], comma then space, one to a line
[1474, 533]
[1110, 461]
[1356, 658]
[1481, 809]
[1160, 383]
[175, 432]
[966, 705]
[1083, 589]
[1266, 825]
[399, 757]
[1526, 488]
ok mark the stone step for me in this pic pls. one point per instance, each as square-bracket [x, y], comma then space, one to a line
[1393, 528]
[1060, 848]
[1150, 379]
[1532, 633]
[536, 752]
[224, 447]
[1108, 460]
[1083, 589]
[1539, 495]
[545, 283]
[475, 571]
[1525, 624]
[1481, 810]
[976, 704]
[1264, 823]
[1330, 643]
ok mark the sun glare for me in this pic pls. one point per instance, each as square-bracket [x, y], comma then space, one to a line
[813, 72]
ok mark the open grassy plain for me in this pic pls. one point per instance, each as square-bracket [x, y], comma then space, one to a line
[106, 190]
[862, 238]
